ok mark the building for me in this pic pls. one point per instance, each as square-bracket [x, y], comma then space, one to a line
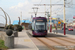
[56, 21]
[24, 23]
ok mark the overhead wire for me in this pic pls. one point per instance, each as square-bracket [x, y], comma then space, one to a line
[58, 8]
[56, 3]
[54, 11]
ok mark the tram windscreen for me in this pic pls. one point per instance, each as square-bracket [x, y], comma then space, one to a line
[40, 26]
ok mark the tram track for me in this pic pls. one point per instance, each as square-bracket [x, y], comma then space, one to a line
[70, 38]
[66, 40]
[49, 46]
[52, 47]
[56, 42]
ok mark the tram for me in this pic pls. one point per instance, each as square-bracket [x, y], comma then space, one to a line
[39, 26]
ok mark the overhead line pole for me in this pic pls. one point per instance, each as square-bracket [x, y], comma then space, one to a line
[64, 20]
[35, 11]
[45, 10]
[50, 17]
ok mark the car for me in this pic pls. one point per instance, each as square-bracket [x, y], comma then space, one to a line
[63, 28]
[70, 29]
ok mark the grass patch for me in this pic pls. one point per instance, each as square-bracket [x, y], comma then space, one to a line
[2, 45]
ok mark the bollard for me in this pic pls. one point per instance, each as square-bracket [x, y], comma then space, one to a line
[9, 41]
[15, 33]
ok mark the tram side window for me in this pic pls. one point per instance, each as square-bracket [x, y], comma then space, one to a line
[46, 25]
[32, 26]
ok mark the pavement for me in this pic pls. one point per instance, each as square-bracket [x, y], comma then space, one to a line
[67, 35]
[23, 42]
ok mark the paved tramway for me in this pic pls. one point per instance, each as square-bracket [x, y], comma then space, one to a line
[54, 41]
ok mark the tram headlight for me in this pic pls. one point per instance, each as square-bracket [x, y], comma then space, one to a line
[44, 31]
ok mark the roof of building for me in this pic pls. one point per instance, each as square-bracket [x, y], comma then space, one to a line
[23, 21]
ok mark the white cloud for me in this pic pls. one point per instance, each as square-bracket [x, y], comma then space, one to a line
[20, 5]
[26, 2]
[26, 7]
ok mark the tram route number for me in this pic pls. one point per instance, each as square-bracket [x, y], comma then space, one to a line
[66, 47]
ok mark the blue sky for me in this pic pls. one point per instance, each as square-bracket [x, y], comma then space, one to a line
[14, 7]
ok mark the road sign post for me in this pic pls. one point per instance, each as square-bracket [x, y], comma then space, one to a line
[59, 24]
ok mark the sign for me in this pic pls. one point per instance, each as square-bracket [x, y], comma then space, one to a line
[59, 22]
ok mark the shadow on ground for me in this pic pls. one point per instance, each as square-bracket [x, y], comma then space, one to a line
[48, 35]
[54, 35]
[20, 46]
